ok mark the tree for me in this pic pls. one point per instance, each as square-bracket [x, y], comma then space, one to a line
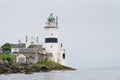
[6, 48]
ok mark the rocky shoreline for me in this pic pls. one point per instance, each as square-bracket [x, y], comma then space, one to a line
[23, 68]
[29, 68]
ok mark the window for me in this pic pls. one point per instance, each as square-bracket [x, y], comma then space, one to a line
[32, 43]
[51, 34]
[15, 49]
[63, 55]
[51, 46]
[51, 40]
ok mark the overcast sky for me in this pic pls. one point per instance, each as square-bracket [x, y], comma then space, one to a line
[89, 29]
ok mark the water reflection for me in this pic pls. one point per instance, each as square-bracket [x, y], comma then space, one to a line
[67, 75]
[56, 75]
[49, 76]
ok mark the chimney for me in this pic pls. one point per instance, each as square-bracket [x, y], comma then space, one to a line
[19, 42]
[26, 38]
[37, 39]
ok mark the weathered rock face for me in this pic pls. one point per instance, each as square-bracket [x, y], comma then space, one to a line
[24, 68]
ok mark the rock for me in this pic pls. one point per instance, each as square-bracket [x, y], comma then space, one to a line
[20, 67]
[44, 69]
[27, 68]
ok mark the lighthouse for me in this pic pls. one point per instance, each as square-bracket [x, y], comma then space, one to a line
[51, 40]
[51, 37]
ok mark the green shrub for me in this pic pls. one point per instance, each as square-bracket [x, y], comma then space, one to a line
[7, 57]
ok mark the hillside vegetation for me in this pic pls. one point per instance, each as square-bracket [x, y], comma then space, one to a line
[6, 58]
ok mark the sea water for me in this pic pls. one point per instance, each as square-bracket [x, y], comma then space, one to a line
[83, 74]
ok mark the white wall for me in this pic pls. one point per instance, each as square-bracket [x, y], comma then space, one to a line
[14, 50]
[31, 41]
[49, 31]
[61, 60]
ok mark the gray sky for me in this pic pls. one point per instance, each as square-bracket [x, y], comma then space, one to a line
[89, 29]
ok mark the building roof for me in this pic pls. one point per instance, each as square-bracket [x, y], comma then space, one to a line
[21, 45]
[21, 55]
[29, 50]
[39, 46]
[35, 46]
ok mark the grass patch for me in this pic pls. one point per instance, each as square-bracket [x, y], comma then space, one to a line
[53, 65]
[47, 63]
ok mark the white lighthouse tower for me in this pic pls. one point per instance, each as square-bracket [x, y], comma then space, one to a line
[51, 41]
[51, 37]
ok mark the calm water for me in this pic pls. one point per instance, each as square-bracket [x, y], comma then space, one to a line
[89, 74]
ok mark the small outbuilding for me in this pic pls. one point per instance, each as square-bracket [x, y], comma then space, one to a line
[21, 58]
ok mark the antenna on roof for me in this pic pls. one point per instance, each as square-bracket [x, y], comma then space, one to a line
[56, 20]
